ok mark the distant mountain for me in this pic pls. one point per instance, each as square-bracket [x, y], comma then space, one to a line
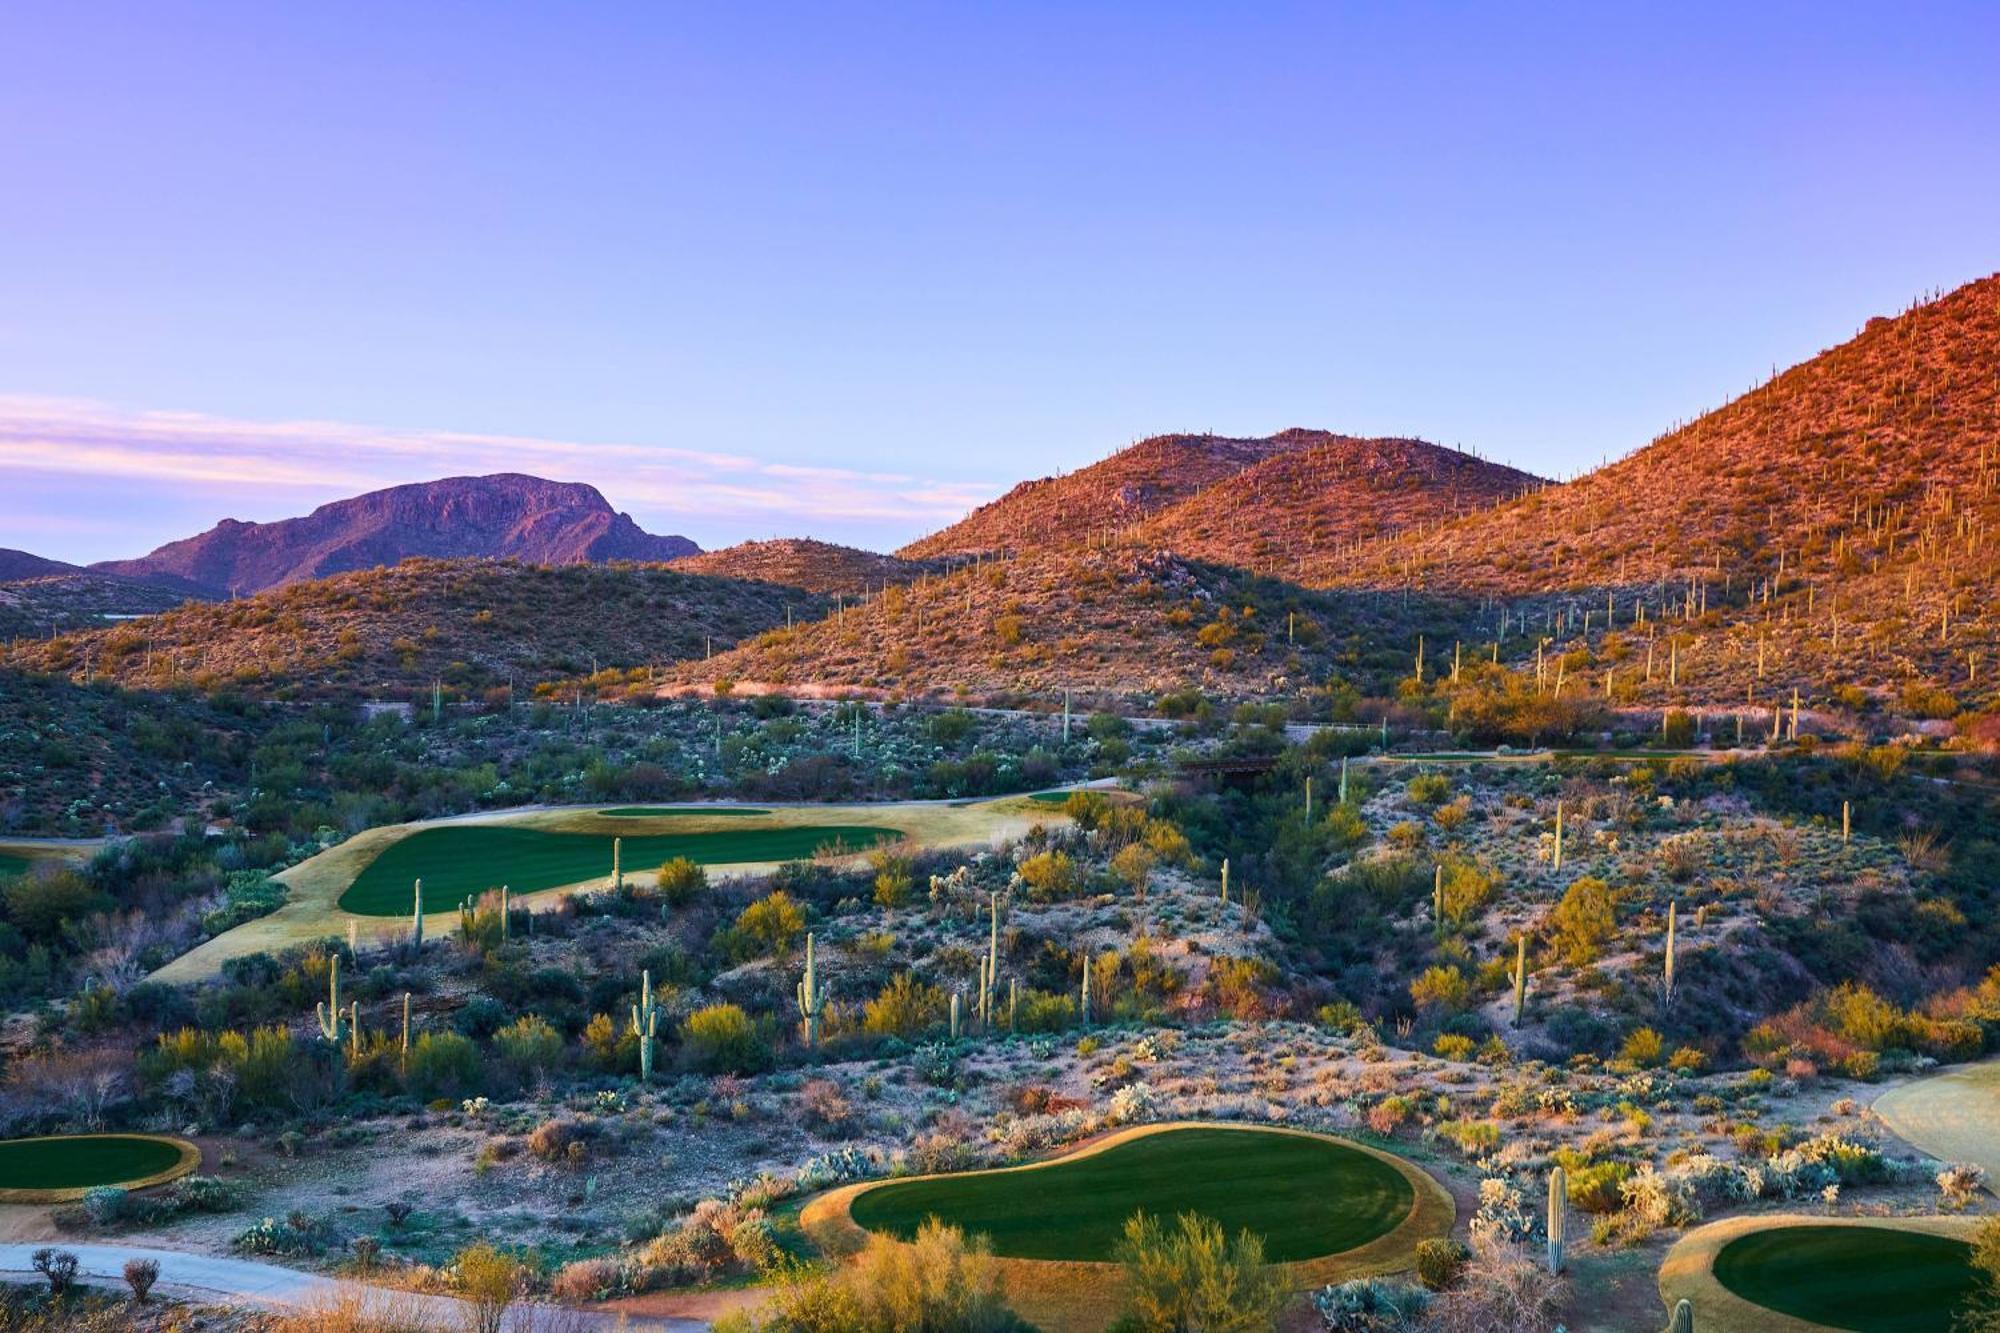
[801, 562]
[504, 516]
[21, 565]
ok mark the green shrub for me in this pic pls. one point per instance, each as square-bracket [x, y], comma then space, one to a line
[1439, 1261]
[721, 1039]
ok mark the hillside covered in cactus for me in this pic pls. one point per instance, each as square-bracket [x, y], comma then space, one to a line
[826, 568]
[473, 625]
[1118, 623]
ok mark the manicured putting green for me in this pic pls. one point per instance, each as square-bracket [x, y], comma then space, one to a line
[10, 865]
[1305, 1196]
[1869, 1279]
[671, 811]
[84, 1160]
[1051, 797]
[459, 860]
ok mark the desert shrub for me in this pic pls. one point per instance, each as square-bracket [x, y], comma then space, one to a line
[1049, 875]
[906, 1008]
[1429, 789]
[558, 1140]
[443, 1064]
[488, 1281]
[582, 1281]
[1500, 1287]
[1585, 919]
[1195, 1277]
[1643, 1047]
[1599, 1187]
[721, 1039]
[1453, 1046]
[140, 1275]
[1441, 988]
[1372, 1305]
[940, 1281]
[1439, 1261]
[772, 924]
[529, 1045]
[682, 880]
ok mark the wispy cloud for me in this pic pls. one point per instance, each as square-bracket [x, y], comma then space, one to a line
[70, 441]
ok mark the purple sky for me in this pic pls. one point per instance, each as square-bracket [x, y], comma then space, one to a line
[848, 269]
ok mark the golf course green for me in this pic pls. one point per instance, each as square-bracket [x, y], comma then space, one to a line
[1306, 1196]
[10, 865]
[80, 1161]
[1869, 1279]
[671, 811]
[461, 860]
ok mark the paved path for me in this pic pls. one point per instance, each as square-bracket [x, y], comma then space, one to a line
[1954, 1116]
[205, 1277]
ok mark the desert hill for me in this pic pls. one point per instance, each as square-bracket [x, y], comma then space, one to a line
[1108, 623]
[1878, 451]
[826, 568]
[504, 516]
[1303, 507]
[471, 624]
[1082, 507]
[25, 565]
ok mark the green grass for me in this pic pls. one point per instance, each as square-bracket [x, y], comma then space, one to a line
[11, 865]
[671, 811]
[53, 1164]
[1051, 797]
[461, 860]
[1869, 1279]
[1306, 1197]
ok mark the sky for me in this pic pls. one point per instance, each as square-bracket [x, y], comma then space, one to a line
[847, 270]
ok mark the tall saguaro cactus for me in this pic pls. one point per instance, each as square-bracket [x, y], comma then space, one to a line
[645, 1025]
[1558, 1217]
[1343, 779]
[989, 969]
[811, 999]
[1667, 976]
[617, 863]
[406, 1030]
[1084, 1007]
[332, 1021]
[1225, 879]
[1437, 898]
[417, 918]
[1520, 977]
[1683, 1320]
[955, 1012]
[1559, 838]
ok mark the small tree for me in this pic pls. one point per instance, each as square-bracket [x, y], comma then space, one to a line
[1134, 865]
[140, 1275]
[1585, 919]
[721, 1039]
[488, 1281]
[1193, 1278]
[57, 1266]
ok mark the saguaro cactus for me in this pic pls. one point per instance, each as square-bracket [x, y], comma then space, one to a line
[618, 863]
[1437, 898]
[1683, 1320]
[811, 999]
[1343, 779]
[1559, 837]
[506, 912]
[1667, 978]
[645, 1025]
[1520, 977]
[332, 1021]
[1846, 821]
[1558, 1217]
[406, 1029]
[1225, 879]
[1084, 1008]
[1013, 1000]
[954, 1015]
[417, 918]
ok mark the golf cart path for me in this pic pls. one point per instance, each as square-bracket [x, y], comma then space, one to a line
[1953, 1116]
[210, 1278]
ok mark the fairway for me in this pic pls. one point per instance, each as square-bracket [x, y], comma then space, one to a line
[670, 811]
[11, 865]
[70, 1164]
[462, 860]
[1868, 1279]
[1306, 1196]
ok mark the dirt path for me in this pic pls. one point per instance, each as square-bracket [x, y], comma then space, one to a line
[246, 1282]
[312, 911]
[1953, 1116]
